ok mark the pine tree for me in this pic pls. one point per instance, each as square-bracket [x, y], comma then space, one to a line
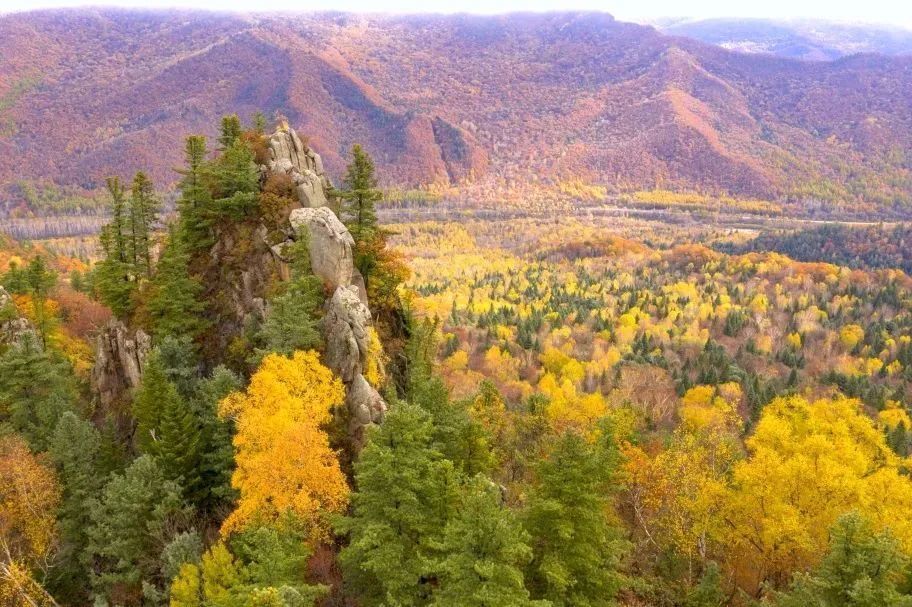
[133, 520]
[217, 462]
[144, 207]
[36, 387]
[177, 448]
[40, 280]
[406, 492]
[237, 181]
[75, 449]
[359, 194]
[174, 306]
[292, 323]
[576, 549]
[486, 549]
[230, 132]
[155, 394]
[195, 202]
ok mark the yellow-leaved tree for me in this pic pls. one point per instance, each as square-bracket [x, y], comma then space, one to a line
[809, 463]
[284, 460]
[29, 497]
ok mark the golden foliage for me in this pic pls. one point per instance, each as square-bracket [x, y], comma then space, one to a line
[284, 461]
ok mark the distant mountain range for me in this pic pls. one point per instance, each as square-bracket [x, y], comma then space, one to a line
[500, 107]
[801, 39]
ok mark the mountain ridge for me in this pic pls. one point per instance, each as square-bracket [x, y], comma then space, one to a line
[486, 107]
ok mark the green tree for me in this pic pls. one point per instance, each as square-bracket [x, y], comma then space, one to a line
[134, 518]
[708, 592]
[195, 202]
[486, 549]
[576, 548]
[144, 208]
[174, 307]
[292, 322]
[75, 449]
[36, 387]
[230, 131]
[862, 569]
[155, 394]
[406, 491]
[237, 182]
[359, 195]
[217, 462]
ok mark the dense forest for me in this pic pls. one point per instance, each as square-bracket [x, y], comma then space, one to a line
[853, 246]
[270, 399]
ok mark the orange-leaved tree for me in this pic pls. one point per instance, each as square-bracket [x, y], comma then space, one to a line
[284, 460]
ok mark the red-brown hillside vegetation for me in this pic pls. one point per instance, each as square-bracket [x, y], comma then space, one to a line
[493, 104]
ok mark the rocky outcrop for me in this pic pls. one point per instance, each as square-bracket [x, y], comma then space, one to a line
[347, 318]
[289, 155]
[329, 244]
[120, 355]
[14, 330]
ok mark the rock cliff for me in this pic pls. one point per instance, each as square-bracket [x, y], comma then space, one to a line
[120, 355]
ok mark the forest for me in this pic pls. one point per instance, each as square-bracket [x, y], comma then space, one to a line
[556, 411]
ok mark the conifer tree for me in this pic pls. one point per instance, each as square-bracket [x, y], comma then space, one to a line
[75, 449]
[36, 388]
[144, 207]
[195, 202]
[174, 307]
[406, 491]
[576, 549]
[230, 131]
[217, 462]
[293, 314]
[133, 519]
[155, 394]
[237, 181]
[359, 195]
[486, 549]
[863, 568]
[114, 275]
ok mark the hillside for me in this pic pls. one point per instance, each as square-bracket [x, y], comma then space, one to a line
[503, 107]
[810, 40]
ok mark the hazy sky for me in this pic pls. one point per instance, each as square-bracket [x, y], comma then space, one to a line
[897, 12]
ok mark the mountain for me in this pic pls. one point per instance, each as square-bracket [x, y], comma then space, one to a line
[504, 107]
[798, 39]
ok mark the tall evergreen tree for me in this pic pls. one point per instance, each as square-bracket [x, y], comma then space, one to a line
[195, 202]
[406, 491]
[76, 450]
[359, 195]
[174, 306]
[230, 131]
[114, 275]
[144, 208]
[486, 550]
[155, 394]
[293, 313]
[237, 181]
[133, 519]
[36, 387]
[576, 549]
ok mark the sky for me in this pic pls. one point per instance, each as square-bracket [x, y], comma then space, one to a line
[894, 12]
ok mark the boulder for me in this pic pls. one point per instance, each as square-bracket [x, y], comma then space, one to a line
[120, 355]
[329, 244]
[365, 403]
[289, 155]
[345, 326]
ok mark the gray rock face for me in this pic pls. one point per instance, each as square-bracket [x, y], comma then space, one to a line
[329, 244]
[289, 155]
[13, 329]
[120, 355]
[345, 329]
[365, 403]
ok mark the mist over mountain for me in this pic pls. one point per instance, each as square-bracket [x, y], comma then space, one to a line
[814, 40]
